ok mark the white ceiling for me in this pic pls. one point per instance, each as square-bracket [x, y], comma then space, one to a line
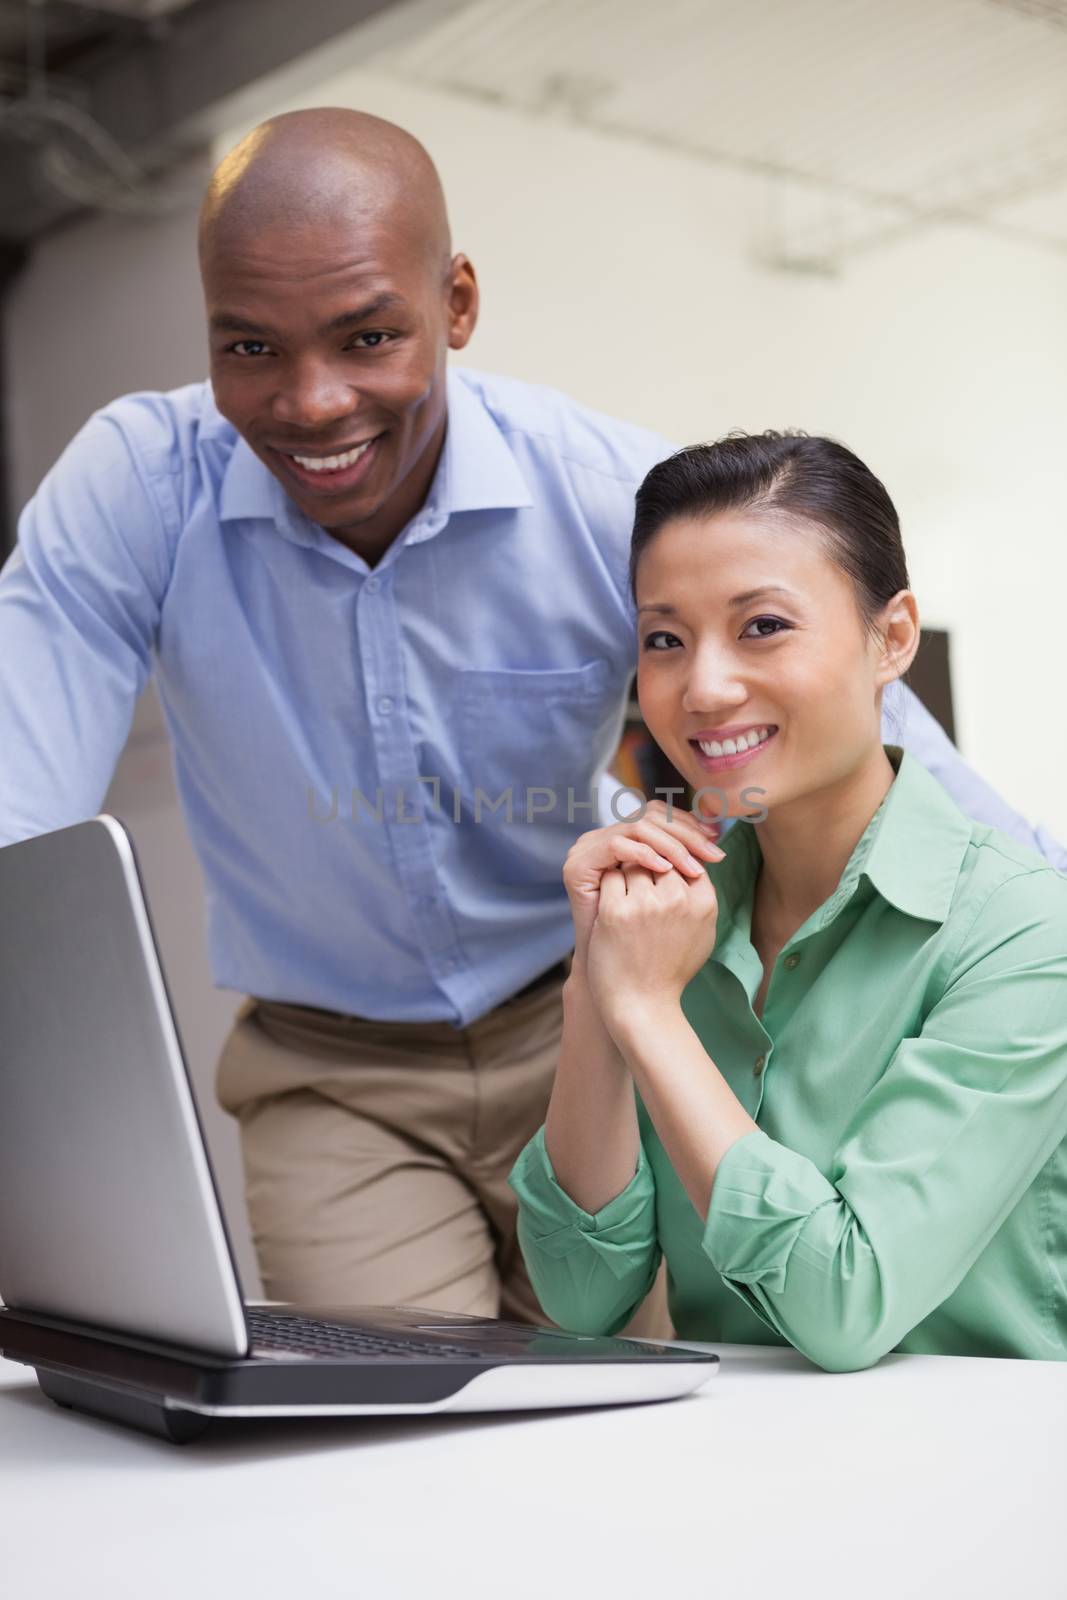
[901, 114]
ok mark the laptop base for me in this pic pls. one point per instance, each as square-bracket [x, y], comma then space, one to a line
[113, 1405]
[461, 1364]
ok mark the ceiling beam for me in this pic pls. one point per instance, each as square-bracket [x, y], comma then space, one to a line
[165, 90]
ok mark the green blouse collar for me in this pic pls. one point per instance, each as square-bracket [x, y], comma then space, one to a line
[910, 853]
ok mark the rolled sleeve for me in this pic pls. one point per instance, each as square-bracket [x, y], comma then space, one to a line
[934, 1160]
[589, 1270]
[763, 1199]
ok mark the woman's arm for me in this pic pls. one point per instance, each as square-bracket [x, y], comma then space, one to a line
[693, 1109]
[587, 1200]
[591, 1135]
[649, 939]
[587, 1212]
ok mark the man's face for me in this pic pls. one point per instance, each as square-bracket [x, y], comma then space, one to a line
[328, 352]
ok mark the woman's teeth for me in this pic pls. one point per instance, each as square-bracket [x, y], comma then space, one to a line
[333, 463]
[730, 747]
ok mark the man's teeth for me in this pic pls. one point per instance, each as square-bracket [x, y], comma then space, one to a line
[730, 747]
[333, 463]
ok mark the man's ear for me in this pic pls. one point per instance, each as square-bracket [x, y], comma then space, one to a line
[897, 626]
[462, 302]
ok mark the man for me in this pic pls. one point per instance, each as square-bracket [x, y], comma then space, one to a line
[387, 611]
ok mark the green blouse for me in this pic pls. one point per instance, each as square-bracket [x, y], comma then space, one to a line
[907, 1187]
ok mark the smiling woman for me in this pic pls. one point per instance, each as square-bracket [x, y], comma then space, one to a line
[826, 1077]
[784, 674]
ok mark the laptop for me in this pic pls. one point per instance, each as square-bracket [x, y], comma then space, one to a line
[116, 1271]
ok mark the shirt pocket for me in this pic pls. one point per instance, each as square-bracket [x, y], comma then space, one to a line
[546, 729]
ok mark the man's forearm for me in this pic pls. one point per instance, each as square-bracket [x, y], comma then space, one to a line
[591, 1133]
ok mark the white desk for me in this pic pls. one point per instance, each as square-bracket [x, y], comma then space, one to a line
[927, 1475]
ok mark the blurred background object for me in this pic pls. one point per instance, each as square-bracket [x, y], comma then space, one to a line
[839, 215]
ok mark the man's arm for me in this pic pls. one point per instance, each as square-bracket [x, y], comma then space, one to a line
[79, 610]
[906, 721]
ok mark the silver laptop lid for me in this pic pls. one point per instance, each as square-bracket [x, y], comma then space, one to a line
[108, 1208]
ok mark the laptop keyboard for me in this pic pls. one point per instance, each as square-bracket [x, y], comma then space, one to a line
[307, 1336]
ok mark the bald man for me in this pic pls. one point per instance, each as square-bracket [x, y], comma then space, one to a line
[387, 610]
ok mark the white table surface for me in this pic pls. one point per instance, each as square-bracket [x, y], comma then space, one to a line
[926, 1475]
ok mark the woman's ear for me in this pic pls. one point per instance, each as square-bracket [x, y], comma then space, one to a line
[898, 634]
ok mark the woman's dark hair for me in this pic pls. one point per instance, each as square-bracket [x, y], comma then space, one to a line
[790, 474]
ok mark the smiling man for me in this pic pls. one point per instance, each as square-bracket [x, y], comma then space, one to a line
[387, 610]
[325, 254]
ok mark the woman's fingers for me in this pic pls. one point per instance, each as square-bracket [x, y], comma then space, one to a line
[698, 832]
[679, 847]
[647, 847]
[586, 871]
[612, 889]
[652, 842]
[642, 855]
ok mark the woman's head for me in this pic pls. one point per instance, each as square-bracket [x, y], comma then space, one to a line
[772, 594]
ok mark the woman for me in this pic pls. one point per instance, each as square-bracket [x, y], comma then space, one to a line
[848, 1039]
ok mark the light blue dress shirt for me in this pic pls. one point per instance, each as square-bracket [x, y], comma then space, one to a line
[331, 723]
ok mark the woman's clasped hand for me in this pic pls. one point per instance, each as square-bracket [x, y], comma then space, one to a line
[644, 907]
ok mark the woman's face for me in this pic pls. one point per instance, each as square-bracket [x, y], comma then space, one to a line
[748, 632]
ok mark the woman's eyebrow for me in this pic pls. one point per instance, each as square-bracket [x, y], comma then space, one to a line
[757, 594]
[737, 600]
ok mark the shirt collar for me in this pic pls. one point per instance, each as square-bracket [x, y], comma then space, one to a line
[910, 852]
[476, 472]
[916, 845]
[247, 487]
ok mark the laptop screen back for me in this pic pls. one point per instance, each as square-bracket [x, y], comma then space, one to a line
[108, 1209]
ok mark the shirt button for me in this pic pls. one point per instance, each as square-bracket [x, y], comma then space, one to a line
[791, 962]
[372, 585]
[385, 705]
[758, 1065]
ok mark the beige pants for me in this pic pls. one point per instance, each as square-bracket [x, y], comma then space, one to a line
[376, 1154]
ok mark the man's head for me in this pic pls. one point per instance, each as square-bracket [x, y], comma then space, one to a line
[332, 300]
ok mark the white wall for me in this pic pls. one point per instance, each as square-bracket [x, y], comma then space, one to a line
[625, 276]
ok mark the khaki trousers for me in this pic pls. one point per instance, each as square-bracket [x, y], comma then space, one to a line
[376, 1154]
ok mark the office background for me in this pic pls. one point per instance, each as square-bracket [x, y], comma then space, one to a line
[833, 214]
